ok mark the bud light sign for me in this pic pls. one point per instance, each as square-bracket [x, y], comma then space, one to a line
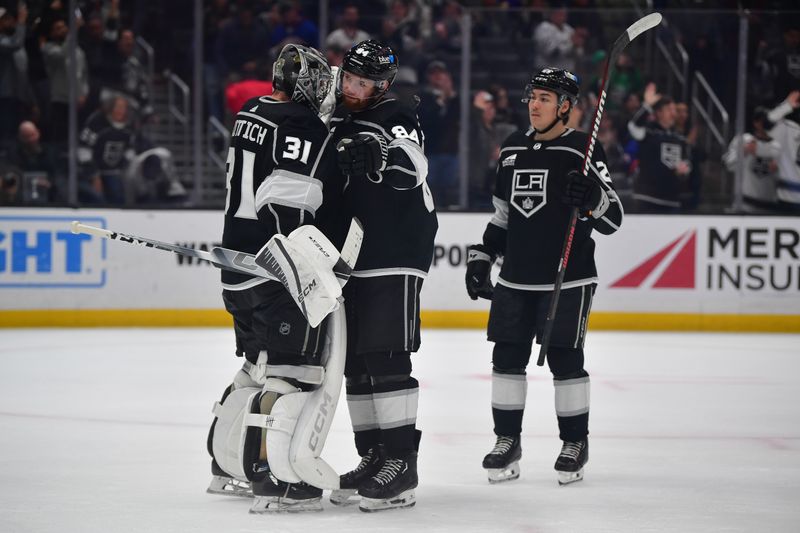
[42, 252]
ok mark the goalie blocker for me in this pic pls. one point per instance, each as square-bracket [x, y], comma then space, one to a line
[278, 423]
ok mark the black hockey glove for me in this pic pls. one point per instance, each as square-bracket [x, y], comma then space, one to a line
[479, 267]
[362, 153]
[586, 194]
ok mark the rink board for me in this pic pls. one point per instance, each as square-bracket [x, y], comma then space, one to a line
[657, 272]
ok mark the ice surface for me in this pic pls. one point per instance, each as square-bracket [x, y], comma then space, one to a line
[104, 430]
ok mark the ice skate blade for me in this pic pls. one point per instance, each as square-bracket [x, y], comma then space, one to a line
[273, 504]
[500, 475]
[565, 478]
[226, 486]
[344, 497]
[401, 501]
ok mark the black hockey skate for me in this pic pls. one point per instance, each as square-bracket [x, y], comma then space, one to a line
[502, 463]
[223, 483]
[274, 496]
[370, 464]
[569, 464]
[392, 487]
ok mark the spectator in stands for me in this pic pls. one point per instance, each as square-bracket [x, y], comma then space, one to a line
[294, 28]
[617, 159]
[335, 55]
[697, 155]
[125, 74]
[557, 43]
[625, 79]
[12, 78]
[59, 67]
[446, 37]
[663, 155]
[439, 117]
[108, 143]
[630, 106]
[785, 60]
[254, 84]
[37, 162]
[401, 31]
[215, 16]
[759, 154]
[348, 33]
[10, 185]
[786, 131]
[99, 43]
[486, 136]
[505, 112]
[243, 42]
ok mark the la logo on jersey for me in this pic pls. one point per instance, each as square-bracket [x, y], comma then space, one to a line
[528, 188]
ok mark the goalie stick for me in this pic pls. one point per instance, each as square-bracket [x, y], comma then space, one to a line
[645, 23]
[302, 262]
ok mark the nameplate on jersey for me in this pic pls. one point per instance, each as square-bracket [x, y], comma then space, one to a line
[528, 188]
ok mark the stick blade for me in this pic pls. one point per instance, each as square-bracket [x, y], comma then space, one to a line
[643, 24]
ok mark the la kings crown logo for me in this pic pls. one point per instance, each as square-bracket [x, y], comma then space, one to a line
[528, 190]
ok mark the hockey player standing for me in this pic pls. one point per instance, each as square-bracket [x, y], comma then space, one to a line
[538, 182]
[278, 164]
[380, 150]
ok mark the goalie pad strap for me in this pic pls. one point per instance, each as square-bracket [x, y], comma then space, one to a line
[310, 374]
[270, 422]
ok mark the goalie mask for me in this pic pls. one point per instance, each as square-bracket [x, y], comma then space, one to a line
[368, 70]
[302, 73]
[562, 82]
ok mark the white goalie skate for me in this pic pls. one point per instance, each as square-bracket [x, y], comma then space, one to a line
[228, 486]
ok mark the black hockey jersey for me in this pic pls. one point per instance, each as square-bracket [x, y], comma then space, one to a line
[106, 146]
[279, 162]
[660, 151]
[395, 205]
[530, 219]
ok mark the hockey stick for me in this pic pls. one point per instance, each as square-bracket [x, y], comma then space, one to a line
[305, 262]
[645, 23]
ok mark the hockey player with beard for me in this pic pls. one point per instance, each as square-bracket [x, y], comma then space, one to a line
[279, 163]
[380, 151]
[538, 183]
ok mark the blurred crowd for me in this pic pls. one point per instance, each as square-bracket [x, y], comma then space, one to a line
[120, 165]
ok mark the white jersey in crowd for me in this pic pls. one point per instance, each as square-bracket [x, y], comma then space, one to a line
[759, 186]
[787, 134]
[554, 46]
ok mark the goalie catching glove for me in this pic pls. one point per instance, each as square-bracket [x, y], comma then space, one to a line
[479, 267]
[586, 194]
[362, 154]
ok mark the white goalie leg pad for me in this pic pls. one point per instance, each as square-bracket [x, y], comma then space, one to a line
[229, 440]
[317, 416]
[298, 422]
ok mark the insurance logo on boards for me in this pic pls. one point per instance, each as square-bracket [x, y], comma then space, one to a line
[722, 258]
[42, 252]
